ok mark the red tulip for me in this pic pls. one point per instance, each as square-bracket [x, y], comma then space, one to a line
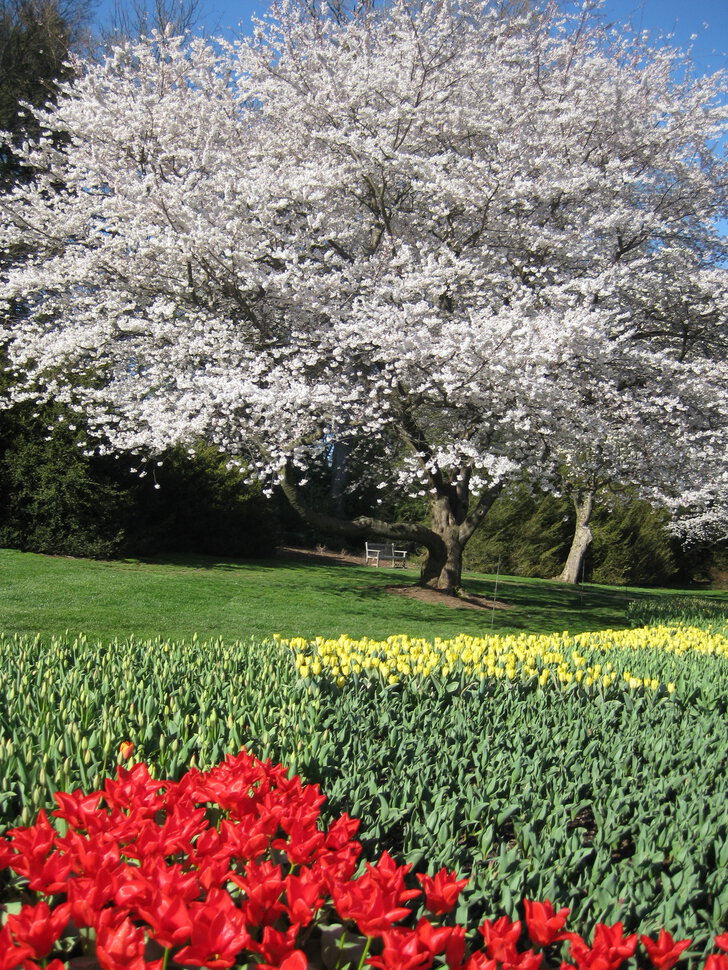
[544, 925]
[38, 927]
[218, 932]
[665, 953]
[119, 943]
[608, 951]
[11, 954]
[501, 938]
[716, 961]
[441, 891]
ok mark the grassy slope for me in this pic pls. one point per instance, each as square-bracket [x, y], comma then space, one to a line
[237, 600]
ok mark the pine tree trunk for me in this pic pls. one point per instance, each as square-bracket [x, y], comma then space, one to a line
[339, 474]
[584, 506]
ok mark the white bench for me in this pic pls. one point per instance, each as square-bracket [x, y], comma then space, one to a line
[379, 552]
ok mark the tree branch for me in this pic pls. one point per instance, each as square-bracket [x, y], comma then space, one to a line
[479, 511]
[363, 525]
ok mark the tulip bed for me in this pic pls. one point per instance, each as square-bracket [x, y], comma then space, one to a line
[607, 798]
[592, 660]
[231, 868]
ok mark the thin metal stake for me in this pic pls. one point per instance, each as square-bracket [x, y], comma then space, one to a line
[495, 591]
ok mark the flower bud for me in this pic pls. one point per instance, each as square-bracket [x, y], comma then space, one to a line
[126, 749]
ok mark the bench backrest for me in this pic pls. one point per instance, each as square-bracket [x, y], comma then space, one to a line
[385, 550]
[382, 547]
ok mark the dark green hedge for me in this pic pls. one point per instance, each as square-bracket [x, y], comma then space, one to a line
[59, 498]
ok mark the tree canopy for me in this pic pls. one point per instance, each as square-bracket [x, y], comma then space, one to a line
[493, 243]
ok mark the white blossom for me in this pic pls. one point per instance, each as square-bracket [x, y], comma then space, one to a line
[492, 239]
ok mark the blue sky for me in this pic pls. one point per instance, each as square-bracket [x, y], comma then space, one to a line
[681, 17]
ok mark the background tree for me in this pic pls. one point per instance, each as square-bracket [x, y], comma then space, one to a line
[528, 533]
[51, 500]
[197, 504]
[58, 498]
[55, 495]
[132, 19]
[684, 319]
[330, 229]
[36, 38]
[633, 547]
[54, 499]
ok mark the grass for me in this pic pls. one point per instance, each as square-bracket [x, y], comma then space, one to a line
[176, 598]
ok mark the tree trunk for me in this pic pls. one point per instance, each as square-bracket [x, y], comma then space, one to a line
[454, 521]
[444, 571]
[584, 505]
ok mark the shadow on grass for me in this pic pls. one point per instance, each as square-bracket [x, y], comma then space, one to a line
[534, 606]
[351, 589]
[201, 562]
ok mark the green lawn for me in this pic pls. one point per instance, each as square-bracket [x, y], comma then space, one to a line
[176, 598]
